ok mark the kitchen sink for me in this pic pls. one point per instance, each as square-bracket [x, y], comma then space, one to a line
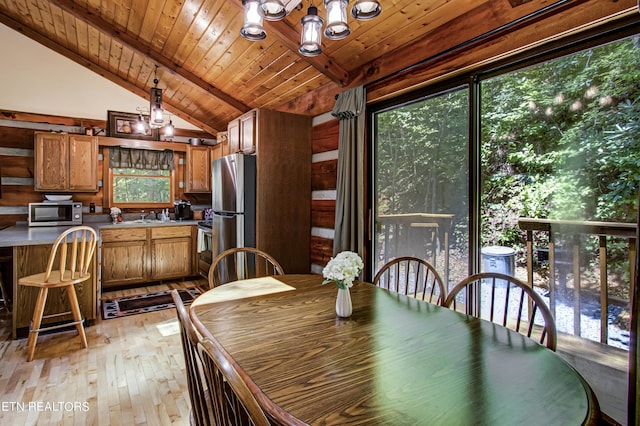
[131, 222]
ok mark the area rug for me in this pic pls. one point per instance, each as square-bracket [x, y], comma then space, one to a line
[142, 303]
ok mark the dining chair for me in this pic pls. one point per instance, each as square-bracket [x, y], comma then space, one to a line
[414, 277]
[508, 301]
[202, 409]
[73, 251]
[223, 379]
[242, 263]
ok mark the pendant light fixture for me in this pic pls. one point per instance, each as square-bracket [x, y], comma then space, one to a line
[273, 10]
[337, 27]
[252, 28]
[169, 130]
[141, 126]
[156, 114]
[364, 10]
[311, 37]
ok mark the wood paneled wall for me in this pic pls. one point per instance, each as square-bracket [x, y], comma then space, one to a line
[324, 166]
[17, 170]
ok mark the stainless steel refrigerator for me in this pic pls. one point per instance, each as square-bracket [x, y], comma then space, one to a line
[233, 202]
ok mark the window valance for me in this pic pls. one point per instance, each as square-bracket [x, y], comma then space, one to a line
[140, 158]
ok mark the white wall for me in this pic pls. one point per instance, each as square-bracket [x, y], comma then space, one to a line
[38, 80]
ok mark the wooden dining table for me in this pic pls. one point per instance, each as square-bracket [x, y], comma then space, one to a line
[395, 361]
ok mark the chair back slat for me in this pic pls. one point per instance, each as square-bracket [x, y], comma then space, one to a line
[201, 407]
[410, 276]
[221, 373]
[242, 263]
[67, 254]
[544, 331]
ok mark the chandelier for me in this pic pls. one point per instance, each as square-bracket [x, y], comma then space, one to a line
[311, 37]
[156, 113]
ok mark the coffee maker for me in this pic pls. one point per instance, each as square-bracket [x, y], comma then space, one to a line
[182, 209]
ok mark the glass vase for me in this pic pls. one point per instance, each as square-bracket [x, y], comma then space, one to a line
[343, 303]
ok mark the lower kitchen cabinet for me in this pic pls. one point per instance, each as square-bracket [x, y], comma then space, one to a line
[124, 256]
[172, 252]
[139, 255]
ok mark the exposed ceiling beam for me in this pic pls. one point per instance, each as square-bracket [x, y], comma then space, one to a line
[47, 42]
[147, 50]
[291, 39]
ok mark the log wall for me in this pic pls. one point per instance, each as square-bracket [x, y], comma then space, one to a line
[324, 166]
[17, 170]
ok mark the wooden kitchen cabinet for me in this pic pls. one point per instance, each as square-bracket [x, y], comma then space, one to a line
[248, 132]
[65, 162]
[217, 151]
[222, 143]
[233, 136]
[241, 133]
[135, 255]
[198, 169]
[172, 252]
[281, 143]
[124, 256]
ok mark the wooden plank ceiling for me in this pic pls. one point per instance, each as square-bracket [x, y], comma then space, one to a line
[210, 75]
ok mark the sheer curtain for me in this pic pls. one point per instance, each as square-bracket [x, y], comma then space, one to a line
[349, 227]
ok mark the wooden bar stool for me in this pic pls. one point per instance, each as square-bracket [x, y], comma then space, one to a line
[73, 268]
[3, 287]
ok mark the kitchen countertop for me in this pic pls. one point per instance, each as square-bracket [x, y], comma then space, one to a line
[23, 235]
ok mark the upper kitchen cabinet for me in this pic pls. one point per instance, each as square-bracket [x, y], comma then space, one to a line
[66, 162]
[222, 143]
[198, 169]
[242, 133]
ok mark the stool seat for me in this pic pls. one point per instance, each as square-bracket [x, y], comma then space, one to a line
[54, 280]
[72, 252]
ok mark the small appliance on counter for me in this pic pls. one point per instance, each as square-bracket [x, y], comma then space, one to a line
[55, 213]
[182, 209]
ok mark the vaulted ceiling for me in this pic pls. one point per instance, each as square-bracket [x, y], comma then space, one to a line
[210, 74]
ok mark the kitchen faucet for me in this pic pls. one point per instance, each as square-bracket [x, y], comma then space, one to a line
[142, 215]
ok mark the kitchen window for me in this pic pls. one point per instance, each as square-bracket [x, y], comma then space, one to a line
[140, 178]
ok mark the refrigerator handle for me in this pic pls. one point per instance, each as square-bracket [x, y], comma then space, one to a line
[226, 214]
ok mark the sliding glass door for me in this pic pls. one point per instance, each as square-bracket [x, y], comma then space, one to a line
[560, 173]
[530, 169]
[420, 180]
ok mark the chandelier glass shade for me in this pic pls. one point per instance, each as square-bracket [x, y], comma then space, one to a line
[156, 114]
[273, 10]
[337, 27]
[253, 15]
[311, 36]
[366, 9]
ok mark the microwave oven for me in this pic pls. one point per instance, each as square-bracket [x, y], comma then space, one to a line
[55, 213]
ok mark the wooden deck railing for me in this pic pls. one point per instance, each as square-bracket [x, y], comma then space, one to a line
[575, 229]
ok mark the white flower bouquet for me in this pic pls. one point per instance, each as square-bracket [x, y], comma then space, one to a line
[343, 269]
[115, 213]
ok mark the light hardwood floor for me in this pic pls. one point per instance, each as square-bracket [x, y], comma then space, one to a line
[132, 373]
